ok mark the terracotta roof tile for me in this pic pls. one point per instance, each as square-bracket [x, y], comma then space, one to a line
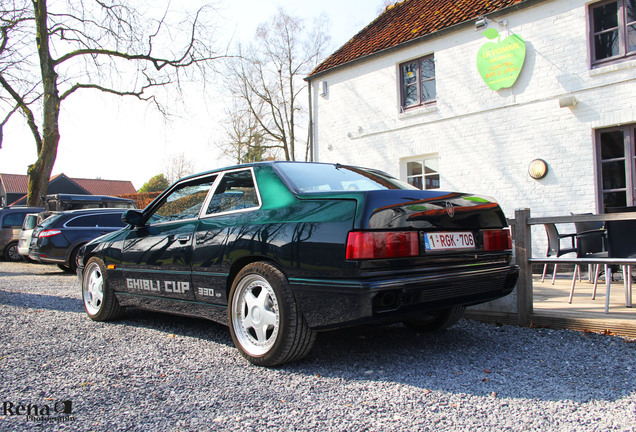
[408, 20]
[14, 183]
[106, 187]
[17, 183]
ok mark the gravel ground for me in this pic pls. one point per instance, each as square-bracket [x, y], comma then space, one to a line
[155, 372]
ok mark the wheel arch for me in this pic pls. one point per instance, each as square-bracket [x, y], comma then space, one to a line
[240, 263]
[72, 249]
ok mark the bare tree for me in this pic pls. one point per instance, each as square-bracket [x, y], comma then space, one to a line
[178, 166]
[384, 5]
[267, 76]
[243, 141]
[50, 51]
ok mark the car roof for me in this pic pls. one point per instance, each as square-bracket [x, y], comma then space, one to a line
[22, 209]
[251, 164]
[78, 197]
[90, 210]
[19, 208]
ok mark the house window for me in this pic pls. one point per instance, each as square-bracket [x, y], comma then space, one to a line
[417, 82]
[613, 27]
[616, 155]
[423, 173]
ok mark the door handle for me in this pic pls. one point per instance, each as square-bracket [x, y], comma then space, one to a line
[183, 238]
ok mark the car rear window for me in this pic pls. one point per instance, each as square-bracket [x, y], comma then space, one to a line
[30, 221]
[50, 220]
[327, 177]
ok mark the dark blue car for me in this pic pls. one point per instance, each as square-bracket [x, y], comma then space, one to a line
[58, 238]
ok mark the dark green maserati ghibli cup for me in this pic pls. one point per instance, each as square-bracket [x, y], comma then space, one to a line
[280, 250]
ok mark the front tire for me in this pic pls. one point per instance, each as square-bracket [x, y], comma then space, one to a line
[99, 299]
[266, 324]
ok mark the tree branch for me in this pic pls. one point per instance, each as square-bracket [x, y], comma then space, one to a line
[24, 107]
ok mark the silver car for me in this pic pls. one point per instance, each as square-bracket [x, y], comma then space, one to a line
[30, 222]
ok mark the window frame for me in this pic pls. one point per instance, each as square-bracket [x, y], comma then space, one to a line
[149, 212]
[203, 214]
[622, 29]
[418, 83]
[629, 144]
[422, 160]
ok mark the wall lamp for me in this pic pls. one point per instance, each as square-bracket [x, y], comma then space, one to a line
[568, 101]
[538, 169]
[482, 23]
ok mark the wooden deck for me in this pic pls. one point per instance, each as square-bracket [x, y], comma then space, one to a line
[551, 307]
[545, 305]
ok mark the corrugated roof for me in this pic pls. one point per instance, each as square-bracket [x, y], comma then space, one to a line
[17, 183]
[408, 20]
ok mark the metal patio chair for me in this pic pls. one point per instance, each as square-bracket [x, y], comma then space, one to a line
[590, 243]
[554, 247]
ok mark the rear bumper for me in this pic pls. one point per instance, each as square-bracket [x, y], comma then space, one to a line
[337, 303]
[44, 258]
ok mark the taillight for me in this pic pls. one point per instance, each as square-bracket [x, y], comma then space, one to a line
[385, 244]
[497, 240]
[49, 233]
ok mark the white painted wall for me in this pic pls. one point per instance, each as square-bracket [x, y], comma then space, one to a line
[486, 139]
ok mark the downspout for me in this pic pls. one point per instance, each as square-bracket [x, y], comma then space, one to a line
[310, 132]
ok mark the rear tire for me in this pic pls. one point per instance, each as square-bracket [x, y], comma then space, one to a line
[64, 268]
[99, 299]
[72, 263]
[266, 324]
[439, 320]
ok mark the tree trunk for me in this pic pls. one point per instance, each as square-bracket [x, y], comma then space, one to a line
[40, 172]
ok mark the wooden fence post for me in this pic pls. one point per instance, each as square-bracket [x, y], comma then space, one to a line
[523, 252]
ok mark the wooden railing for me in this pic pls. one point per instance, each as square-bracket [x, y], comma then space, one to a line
[522, 236]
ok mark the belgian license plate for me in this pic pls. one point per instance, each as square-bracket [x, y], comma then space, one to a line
[449, 241]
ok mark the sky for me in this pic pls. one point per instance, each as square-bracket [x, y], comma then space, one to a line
[124, 139]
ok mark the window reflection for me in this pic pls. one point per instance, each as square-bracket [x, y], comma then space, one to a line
[616, 166]
[613, 29]
[417, 82]
[424, 173]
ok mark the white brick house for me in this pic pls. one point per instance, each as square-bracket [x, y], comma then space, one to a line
[479, 140]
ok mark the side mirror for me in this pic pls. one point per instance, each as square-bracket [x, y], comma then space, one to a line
[132, 217]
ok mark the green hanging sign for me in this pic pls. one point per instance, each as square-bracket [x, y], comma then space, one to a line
[499, 63]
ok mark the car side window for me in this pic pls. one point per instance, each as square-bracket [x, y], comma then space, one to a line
[13, 220]
[83, 221]
[184, 202]
[110, 220]
[236, 191]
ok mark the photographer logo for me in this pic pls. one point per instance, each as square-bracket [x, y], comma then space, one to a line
[61, 411]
